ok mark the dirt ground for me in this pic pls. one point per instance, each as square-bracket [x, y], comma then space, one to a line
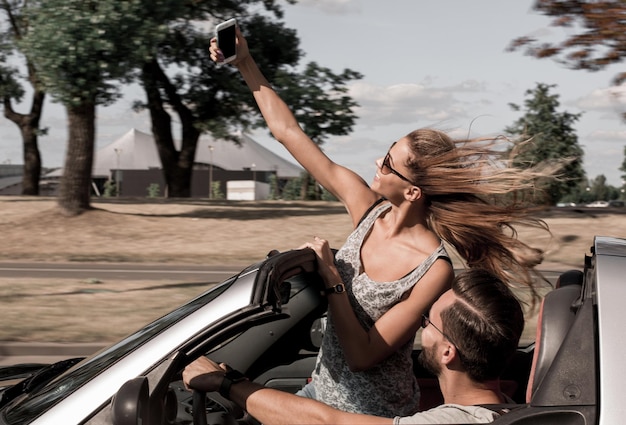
[186, 232]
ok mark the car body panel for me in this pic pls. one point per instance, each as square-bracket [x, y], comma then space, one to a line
[611, 298]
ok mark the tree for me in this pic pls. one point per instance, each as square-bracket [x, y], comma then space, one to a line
[319, 101]
[11, 89]
[182, 80]
[553, 138]
[599, 188]
[81, 49]
[596, 36]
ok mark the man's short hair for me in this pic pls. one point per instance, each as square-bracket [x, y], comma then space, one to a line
[486, 321]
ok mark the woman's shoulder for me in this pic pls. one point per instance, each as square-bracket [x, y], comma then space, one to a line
[371, 210]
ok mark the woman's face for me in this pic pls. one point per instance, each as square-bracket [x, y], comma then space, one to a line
[392, 173]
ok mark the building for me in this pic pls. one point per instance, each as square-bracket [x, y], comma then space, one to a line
[11, 179]
[132, 164]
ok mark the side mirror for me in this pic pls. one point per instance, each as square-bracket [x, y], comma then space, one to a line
[130, 403]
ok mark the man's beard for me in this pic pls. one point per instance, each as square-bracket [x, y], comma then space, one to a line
[427, 360]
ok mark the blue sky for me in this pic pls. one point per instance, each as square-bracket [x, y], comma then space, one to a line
[425, 63]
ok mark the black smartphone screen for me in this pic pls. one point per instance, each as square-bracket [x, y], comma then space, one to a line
[226, 40]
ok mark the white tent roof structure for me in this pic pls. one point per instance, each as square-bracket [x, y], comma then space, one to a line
[136, 150]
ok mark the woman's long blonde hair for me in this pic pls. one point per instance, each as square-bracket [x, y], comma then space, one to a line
[476, 199]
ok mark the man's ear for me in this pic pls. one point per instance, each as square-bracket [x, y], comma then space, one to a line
[448, 353]
[413, 193]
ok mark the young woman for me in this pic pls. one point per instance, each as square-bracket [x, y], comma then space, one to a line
[427, 188]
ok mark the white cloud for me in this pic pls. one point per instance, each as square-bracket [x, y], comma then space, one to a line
[333, 7]
[408, 102]
[608, 135]
[610, 99]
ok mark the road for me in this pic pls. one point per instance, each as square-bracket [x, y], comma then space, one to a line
[118, 271]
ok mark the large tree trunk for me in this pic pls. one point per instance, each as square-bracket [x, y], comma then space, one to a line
[29, 127]
[177, 166]
[32, 162]
[75, 193]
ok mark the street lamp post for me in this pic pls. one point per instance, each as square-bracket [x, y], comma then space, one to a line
[210, 171]
[253, 166]
[118, 153]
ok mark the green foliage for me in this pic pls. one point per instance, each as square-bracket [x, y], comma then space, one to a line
[9, 84]
[327, 196]
[110, 188]
[183, 80]
[319, 100]
[274, 189]
[216, 190]
[154, 190]
[553, 139]
[593, 190]
[81, 48]
[222, 102]
[291, 191]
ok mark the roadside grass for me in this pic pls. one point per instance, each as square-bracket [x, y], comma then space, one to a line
[59, 311]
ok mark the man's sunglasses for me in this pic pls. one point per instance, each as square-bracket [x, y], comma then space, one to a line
[426, 321]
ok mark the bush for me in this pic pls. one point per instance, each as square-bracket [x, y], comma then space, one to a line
[216, 190]
[154, 190]
[110, 189]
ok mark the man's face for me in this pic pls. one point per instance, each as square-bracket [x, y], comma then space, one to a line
[431, 337]
[428, 360]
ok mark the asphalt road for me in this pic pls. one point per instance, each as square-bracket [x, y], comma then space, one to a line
[118, 271]
[126, 271]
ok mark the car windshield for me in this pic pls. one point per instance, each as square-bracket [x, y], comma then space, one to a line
[28, 407]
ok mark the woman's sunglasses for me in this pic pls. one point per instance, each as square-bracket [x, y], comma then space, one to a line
[386, 167]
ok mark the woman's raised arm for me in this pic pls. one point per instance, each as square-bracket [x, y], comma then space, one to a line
[343, 183]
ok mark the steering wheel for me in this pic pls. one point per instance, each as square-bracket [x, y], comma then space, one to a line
[227, 414]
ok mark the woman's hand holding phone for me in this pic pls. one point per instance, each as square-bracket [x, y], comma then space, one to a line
[226, 36]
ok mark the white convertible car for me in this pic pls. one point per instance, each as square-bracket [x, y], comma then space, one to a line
[265, 321]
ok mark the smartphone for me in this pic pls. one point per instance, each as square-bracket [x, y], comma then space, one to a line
[226, 39]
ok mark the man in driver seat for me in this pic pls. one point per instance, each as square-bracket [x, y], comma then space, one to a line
[471, 333]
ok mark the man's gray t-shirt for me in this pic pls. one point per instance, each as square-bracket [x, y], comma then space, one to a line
[450, 414]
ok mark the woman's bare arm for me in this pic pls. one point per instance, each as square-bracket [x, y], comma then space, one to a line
[343, 183]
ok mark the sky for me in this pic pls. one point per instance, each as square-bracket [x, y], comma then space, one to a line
[425, 63]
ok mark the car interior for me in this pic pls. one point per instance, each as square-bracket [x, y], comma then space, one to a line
[551, 381]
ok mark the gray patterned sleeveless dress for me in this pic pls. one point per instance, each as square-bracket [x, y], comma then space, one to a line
[388, 389]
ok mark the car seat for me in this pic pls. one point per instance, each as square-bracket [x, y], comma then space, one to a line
[556, 316]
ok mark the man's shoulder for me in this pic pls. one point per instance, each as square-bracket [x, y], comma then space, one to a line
[450, 414]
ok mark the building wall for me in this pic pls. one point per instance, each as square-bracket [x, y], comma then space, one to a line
[135, 183]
